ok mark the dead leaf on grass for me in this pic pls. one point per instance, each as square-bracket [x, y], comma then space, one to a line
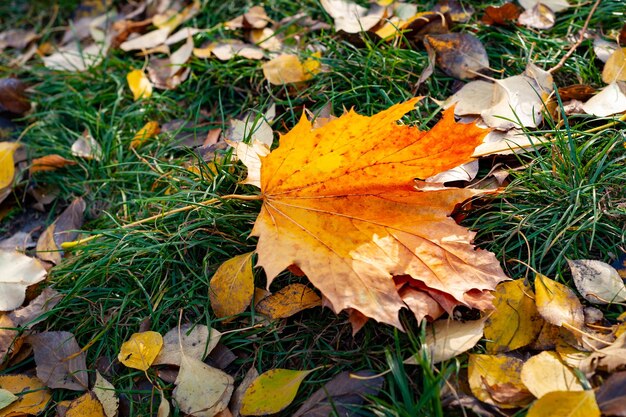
[458, 12]
[64, 229]
[87, 147]
[501, 15]
[539, 17]
[610, 358]
[287, 68]
[555, 5]
[254, 18]
[105, 392]
[235, 402]
[558, 304]
[565, 403]
[139, 84]
[610, 100]
[13, 96]
[87, 405]
[460, 55]
[32, 395]
[148, 131]
[352, 18]
[288, 301]
[597, 282]
[17, 272]
[228, 49]
[49, 163]
[615, 67]
[140, 351]
[232, 286]
[546, 372]
[272, 391]
[195, 341]
[496, 380]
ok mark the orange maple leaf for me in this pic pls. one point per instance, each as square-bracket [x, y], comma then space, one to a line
[340, 202]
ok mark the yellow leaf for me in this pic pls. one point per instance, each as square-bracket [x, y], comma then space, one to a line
[545, 372]
[148, 131]
[615, 67]
[85, 406]
[288, 301]
[515, 322]
[232, 286]
[558, 304]
[287, 68]
[139, 84]
[272, 391]
[496, 380]
[140, 350]
[340, 202]
[34, 399]
[566, 403]
[7, 165]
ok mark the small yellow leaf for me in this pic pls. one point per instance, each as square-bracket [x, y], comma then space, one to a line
[287, 68]
[615, 67]
[545, 372]
[515, 322]
[566, 403]
[272, 391]
[139, 84]
[7, 165]
[288, 301]
[86, 405]
[140, 350]
[34, 399]
[496, 380]
[558, 304]
[232, 286]
[148, 131]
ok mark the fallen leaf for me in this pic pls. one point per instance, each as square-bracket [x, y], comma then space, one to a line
[105, 392]
[148, 131]
[610, 358]
[287, 68]
[419, 303]
[341, 394]
[6, 398]
[352, 18]
[18, 271]
[610, 100]
[147, 41]
[250, 129]
[164, 407]
[447, 338]
[555, 5]
[49, 163]
[611, 395]
[195, 341]
[235, 401]
[17, 38]
[597, 282]
[272, 391]
[288, 301]
[13, 96]
[580, 92]
[501, 15]
[19, 242]
[340, 204]
[232, 286]
[458, 12]
[546, 372]
[539, 17]
[87, 405]
[565, 403]
[254, 18]
[228, 49]
[87, 147]
[63, 229]
[515, 323]
[32, 395]
[76, 58]
[7, 164]
[250, 156]
[140, 351]
[558, 304]
[266, 39]
[139, 84]
[614, 68]
[60, 362]
[460, 55]
[496, 380]
[201, 390]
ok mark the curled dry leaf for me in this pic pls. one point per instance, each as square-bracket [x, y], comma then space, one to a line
[201, 391]
[546, 372]
[87, 147]
[566, 403]
[17, 272]
[140, 351]
[460, 55]
[558, 304]
[501, 15]
[232, 286]
[288, 301]
[340, 203]
[139, 84]
[352, 18]
[287, 68]
[610, 100]
[49, 163]
[515, 323]
[447, 338]
[32, 393]
[195, 341]
[60, 361]
[272, 391]
[610, 358]
[597, 282]
[496, 380]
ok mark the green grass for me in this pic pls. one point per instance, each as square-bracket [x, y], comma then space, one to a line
[567, 201]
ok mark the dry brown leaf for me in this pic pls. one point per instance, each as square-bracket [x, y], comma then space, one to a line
[496, 380]
[288, 301]
[501, 15]
[60, 362]
[195, 341]
[546, 372]
[17, 272]
[147, 41]
[610, 358]
[87, 147]
[611, 396]
[228, 49]
[49, 163]
[13, 96]
[62, 230]
[460, 55]
[539, 17]
[254, 18]
[458, 11]
[105, 392]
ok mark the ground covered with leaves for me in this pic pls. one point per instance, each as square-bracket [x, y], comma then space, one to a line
[244, 208]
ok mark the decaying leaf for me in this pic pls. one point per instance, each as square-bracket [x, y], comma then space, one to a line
[87, 147]
[232, 286]
[254, 18]
[60, 362]
[13, 96]
[287, 68]
[235, 402]
[515, 323]
[352, 18]
[555, 5]
[49, 163]
[87, 405]
[565, 403]
[610, 358]
[140, 351]
[227, 49]
[546, 372]
[458, 12]
[139, 84]
[501, 15]
[17, 272]
[597, 282]
[33, 396]
[105, 392]
[272, 391]
[340, 204]
[340, 394]
[611, 396]
[558, 304]
[496, 380]
[201, 390]
[447, 338]
[539, 17]
[610, 100]
[148, 131]
[63, 229]
[288, 301]
[195, 341]
[250, 156]
[460, 55]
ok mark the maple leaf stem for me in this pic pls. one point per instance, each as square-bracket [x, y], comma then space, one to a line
[189, 207]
